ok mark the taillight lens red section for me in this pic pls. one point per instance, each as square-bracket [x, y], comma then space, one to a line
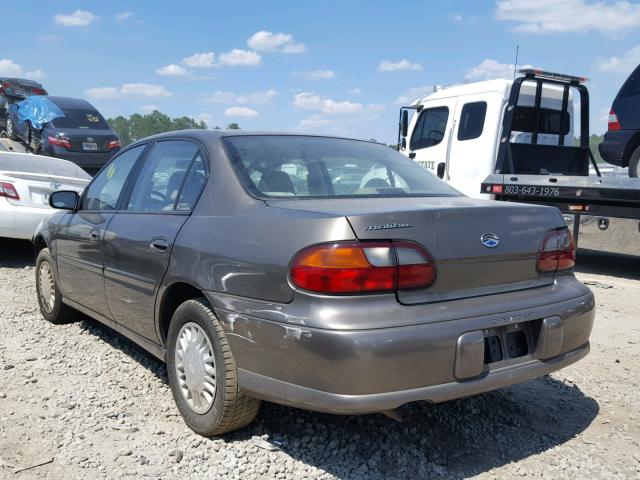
[613, 123]
[362, 267]
[557, 252]
[59, 141]
[113, 144]
[8, 190]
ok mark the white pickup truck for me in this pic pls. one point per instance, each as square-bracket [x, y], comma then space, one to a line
[513, 140]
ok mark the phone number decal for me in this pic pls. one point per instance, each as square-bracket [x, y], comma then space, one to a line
[532, 190]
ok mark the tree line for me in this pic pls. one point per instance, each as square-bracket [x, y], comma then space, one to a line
[139, 126]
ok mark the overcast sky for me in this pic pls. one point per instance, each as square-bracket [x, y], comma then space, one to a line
[333, 67]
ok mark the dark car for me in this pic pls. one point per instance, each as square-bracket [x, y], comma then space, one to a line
[80, 135]
[621, 145]
[13, 90]
[250, 284]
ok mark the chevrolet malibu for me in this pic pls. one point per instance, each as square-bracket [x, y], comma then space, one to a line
[242, 261]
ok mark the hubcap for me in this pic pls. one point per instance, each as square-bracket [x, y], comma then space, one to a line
[195, 367]
[46, 287]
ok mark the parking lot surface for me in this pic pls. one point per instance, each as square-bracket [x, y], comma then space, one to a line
[80, 401]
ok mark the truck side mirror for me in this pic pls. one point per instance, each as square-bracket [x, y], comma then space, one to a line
[405, 123]
[440, 170]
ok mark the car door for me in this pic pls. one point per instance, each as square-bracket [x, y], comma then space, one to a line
[431, 133]
[80, 235]
[139, 239]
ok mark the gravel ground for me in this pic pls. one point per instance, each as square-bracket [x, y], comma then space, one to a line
[86, 403]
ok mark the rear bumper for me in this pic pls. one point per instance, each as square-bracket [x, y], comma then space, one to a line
[296, 396]
[368, 370]
[613, 147]
[20, 222]
[92, 162]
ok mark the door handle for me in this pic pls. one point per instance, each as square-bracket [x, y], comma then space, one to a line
[412, 155]
[159, 245]
[95, 235]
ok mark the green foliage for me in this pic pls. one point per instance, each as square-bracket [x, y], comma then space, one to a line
[233, 126]
[594, 141]
[139, 126]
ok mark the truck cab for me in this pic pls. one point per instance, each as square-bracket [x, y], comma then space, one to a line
[456, 131]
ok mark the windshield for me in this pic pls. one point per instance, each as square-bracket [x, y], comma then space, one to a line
[80, 119]
[299, 166]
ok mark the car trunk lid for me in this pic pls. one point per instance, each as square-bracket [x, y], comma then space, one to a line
[88, 140]
[451, 229]
[34, 189]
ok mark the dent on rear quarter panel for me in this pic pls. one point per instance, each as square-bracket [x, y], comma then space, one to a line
[247, 253]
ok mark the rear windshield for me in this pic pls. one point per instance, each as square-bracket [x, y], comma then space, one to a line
[299, 166]
[80, 119]
[524, 120]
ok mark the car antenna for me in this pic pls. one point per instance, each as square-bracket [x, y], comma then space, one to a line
[515, 64]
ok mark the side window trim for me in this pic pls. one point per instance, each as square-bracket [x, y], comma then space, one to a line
[139, 160]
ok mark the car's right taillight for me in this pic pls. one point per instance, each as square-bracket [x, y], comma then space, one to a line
[362, 267]
[613, 123]
[557, 252]
[8, 190]
[113, 144]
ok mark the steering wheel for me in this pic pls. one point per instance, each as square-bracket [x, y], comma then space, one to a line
[153, 199]
[438, 135]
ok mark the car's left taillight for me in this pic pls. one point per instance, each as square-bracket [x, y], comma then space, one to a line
[613, 123]
[8, 190]
[343, 268]
[59, 142]
[557, 252]
[113, 144]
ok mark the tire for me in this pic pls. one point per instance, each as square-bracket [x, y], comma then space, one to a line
[49, 297]
[229, 408]
[11, 133]
[634, 164]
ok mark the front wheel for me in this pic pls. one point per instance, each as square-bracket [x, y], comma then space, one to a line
[634, 164]
[11, 133]
[202, 373]
[49, 297]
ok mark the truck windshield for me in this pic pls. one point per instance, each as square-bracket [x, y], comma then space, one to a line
[303, 166]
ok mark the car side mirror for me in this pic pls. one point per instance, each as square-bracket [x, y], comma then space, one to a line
[405, 123]
[64, 200]
[440, 170]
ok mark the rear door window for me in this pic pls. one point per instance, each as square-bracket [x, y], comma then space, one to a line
[161, 178]
[472, 120]
[631, 86]
[430, 128]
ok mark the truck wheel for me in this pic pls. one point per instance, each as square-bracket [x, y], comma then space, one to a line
[49, 297]
[634, 164]
[11, 133]
[202, 373]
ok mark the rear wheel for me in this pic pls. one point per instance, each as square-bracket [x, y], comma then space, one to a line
[634, 164]
[202, 373]
[11, 133]
[49, 297]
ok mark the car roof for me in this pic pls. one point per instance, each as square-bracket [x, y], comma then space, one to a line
[23, 81]
[207, 135]
[69, 102]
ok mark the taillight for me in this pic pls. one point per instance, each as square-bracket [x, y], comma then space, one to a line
[59, 142]
[8, 190]
[113, 144]
[613, 124]
[37, 91]
[558, 251]
[362, 267]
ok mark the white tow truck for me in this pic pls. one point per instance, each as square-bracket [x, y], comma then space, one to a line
[513, 140]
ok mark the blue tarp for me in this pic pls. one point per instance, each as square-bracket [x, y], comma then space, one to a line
[38, 110]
